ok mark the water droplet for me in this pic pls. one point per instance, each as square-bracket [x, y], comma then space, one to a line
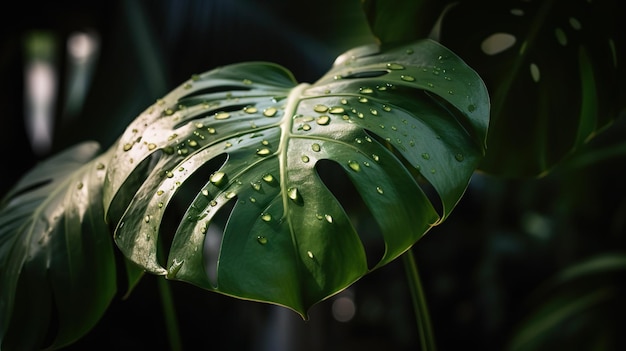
[261, 239]
[205, 192]
[256, 186]
[252, 199]
[379, 190]
[328, 218]
[263, 152]
[323, 120]
[268, 178]
[354, 165]
[426, 156]
[395, 66]
[306, 127]
[199, 125]
[409, 51]
[459, 157]
[374, 112]
[363, 99]
[337, 110]
[366, 90]
[213, 203]
[100, 166]
[375, 157]
[270, 112]
[160, 205]
[305, 158]
[471, 108]
[310, 254]
[247, 81]
[386, 108]
[407, 78]
[146, 219]
[320, 108]
[294, 195]
[160, 192]
[218, 178]
[266, 217]
[211, 130]
[222, 115]
[79, 185]
[316, 147]
[451, 92]
[128, 146]
[227, 145]
[433, 171]
[169, 174]
[250, 109]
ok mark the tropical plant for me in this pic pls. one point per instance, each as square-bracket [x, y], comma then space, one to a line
[245, 182]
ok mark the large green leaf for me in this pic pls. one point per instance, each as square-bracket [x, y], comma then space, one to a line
[57, 265]
[554, 70]
[251, 142]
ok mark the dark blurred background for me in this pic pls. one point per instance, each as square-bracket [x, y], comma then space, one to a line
[72, 71]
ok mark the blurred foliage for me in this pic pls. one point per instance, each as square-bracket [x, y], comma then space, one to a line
[482, 269]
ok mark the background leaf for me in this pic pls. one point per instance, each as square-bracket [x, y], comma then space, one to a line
[402, 21]
[554, 71]
[406, 126]
[58, 268]
[578, 308]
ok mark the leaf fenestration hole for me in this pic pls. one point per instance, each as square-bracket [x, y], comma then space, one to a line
[189, 201]
[213, 240]
[130, 187]
[428, 189]
[214, 90]
[340, 185]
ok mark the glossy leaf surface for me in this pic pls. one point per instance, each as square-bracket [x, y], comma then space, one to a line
[247, 142]
[57, 264]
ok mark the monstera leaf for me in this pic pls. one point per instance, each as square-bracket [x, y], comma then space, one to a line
[57, 269]
[246, 142]
[554, 70]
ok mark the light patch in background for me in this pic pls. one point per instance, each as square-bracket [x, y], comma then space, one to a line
[40, 89]
[497, 43]
[82, 52]
[344, 307]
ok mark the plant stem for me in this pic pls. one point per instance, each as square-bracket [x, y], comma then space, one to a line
[427, 338]
[171, 321]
